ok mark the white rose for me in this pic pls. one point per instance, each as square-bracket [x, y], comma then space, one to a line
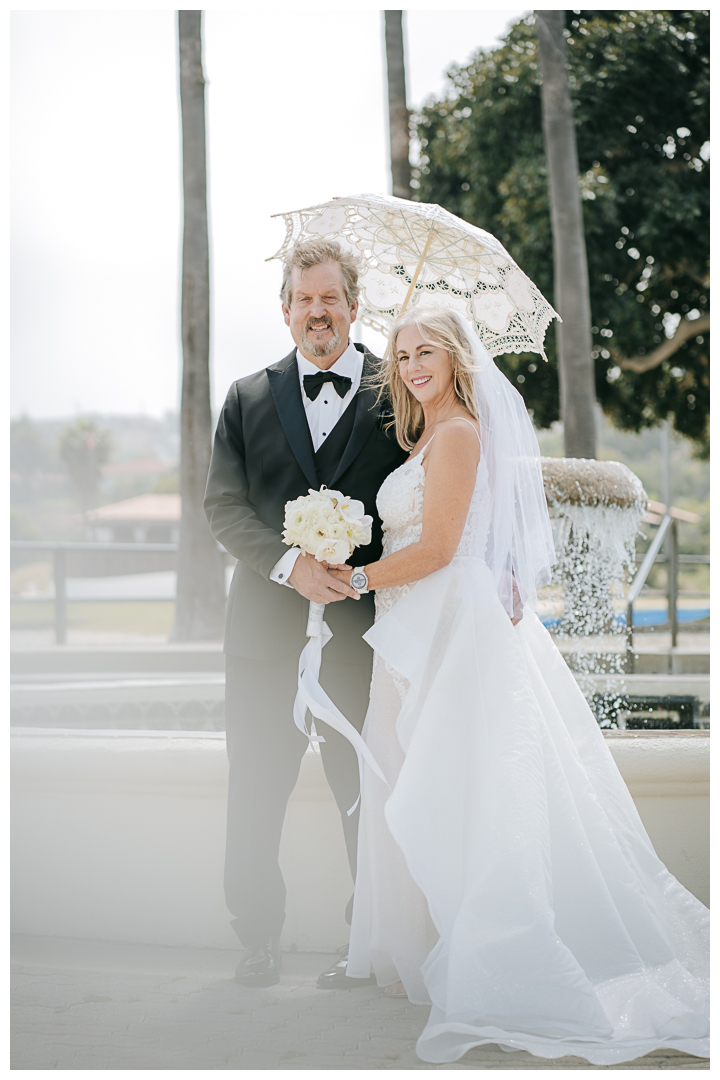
[315, 536]
[294, 527]
[299, 517]
[361, 534]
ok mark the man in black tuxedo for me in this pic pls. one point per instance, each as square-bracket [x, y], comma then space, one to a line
[308, 420]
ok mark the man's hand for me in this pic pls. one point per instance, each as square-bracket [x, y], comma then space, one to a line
[312, 580]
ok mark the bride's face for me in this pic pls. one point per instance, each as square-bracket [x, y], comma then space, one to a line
[425, 369]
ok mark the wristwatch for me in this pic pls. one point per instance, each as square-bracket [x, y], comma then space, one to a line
[359, 580]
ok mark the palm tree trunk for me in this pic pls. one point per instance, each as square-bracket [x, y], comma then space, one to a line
[572, 294]
[397, 105]
[199, 608]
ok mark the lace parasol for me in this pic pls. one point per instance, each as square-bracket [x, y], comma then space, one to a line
[412, 251]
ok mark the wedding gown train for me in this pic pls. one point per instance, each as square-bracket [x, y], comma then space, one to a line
[505, 875]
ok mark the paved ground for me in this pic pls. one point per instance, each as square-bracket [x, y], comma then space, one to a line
[89, 1005]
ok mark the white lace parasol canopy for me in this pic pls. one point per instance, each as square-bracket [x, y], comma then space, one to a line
[412, 252]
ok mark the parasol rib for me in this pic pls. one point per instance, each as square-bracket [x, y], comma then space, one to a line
[417, 271]
[471, 268]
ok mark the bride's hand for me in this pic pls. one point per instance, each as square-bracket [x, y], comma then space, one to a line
[342, 572]
[517, 604]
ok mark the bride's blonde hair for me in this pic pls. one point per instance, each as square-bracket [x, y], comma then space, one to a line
[444, 330]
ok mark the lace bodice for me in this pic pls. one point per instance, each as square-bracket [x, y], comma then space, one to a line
[400, 505]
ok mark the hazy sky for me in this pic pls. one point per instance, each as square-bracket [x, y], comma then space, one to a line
[295, 114]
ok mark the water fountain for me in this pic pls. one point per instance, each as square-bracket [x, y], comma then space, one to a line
[596, 508]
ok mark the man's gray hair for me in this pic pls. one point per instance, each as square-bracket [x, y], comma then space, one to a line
[315, 253]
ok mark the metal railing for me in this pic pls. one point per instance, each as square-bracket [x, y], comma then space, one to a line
[667, 533]
[59, 549]
[668, 529]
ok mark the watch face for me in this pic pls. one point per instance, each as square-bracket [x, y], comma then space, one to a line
[358, 580]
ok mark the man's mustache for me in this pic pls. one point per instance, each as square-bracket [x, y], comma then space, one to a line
[320, 322]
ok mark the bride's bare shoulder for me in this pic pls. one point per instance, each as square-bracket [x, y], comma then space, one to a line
[458, 431]
[455, 442]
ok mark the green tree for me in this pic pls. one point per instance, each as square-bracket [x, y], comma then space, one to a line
[639, 82]
[84, 448]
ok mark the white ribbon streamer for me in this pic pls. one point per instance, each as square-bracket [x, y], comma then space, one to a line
[312, 697]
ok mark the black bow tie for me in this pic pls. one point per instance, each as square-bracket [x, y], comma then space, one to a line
[313, 384]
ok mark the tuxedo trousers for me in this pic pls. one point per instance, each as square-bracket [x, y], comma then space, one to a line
[265, 750]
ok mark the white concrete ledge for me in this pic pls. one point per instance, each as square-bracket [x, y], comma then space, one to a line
[193, 764]
[119, 835]
[666, 763]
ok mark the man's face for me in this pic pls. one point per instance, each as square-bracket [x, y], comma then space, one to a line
[319, 315]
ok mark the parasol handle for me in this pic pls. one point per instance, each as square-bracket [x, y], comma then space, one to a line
[417, 271]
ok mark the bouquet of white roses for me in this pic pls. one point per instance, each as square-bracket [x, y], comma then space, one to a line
[327, 524]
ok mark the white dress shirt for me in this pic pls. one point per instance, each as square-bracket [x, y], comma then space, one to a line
[322, 415]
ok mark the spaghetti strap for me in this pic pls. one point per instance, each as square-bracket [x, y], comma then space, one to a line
[420, 455]
[467, 422]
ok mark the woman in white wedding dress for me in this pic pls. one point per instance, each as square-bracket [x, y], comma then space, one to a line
[504, 875]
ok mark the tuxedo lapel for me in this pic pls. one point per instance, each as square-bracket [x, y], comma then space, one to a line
[285, 389]
[365, 418]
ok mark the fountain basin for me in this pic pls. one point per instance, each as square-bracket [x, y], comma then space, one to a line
[586, 482]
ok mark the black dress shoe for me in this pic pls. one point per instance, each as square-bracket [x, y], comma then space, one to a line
[335, 978]
[260, 964]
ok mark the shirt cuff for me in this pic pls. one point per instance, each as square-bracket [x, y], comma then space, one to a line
[284, 567]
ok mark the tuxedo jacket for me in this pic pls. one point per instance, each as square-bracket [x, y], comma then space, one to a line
[263, 457]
